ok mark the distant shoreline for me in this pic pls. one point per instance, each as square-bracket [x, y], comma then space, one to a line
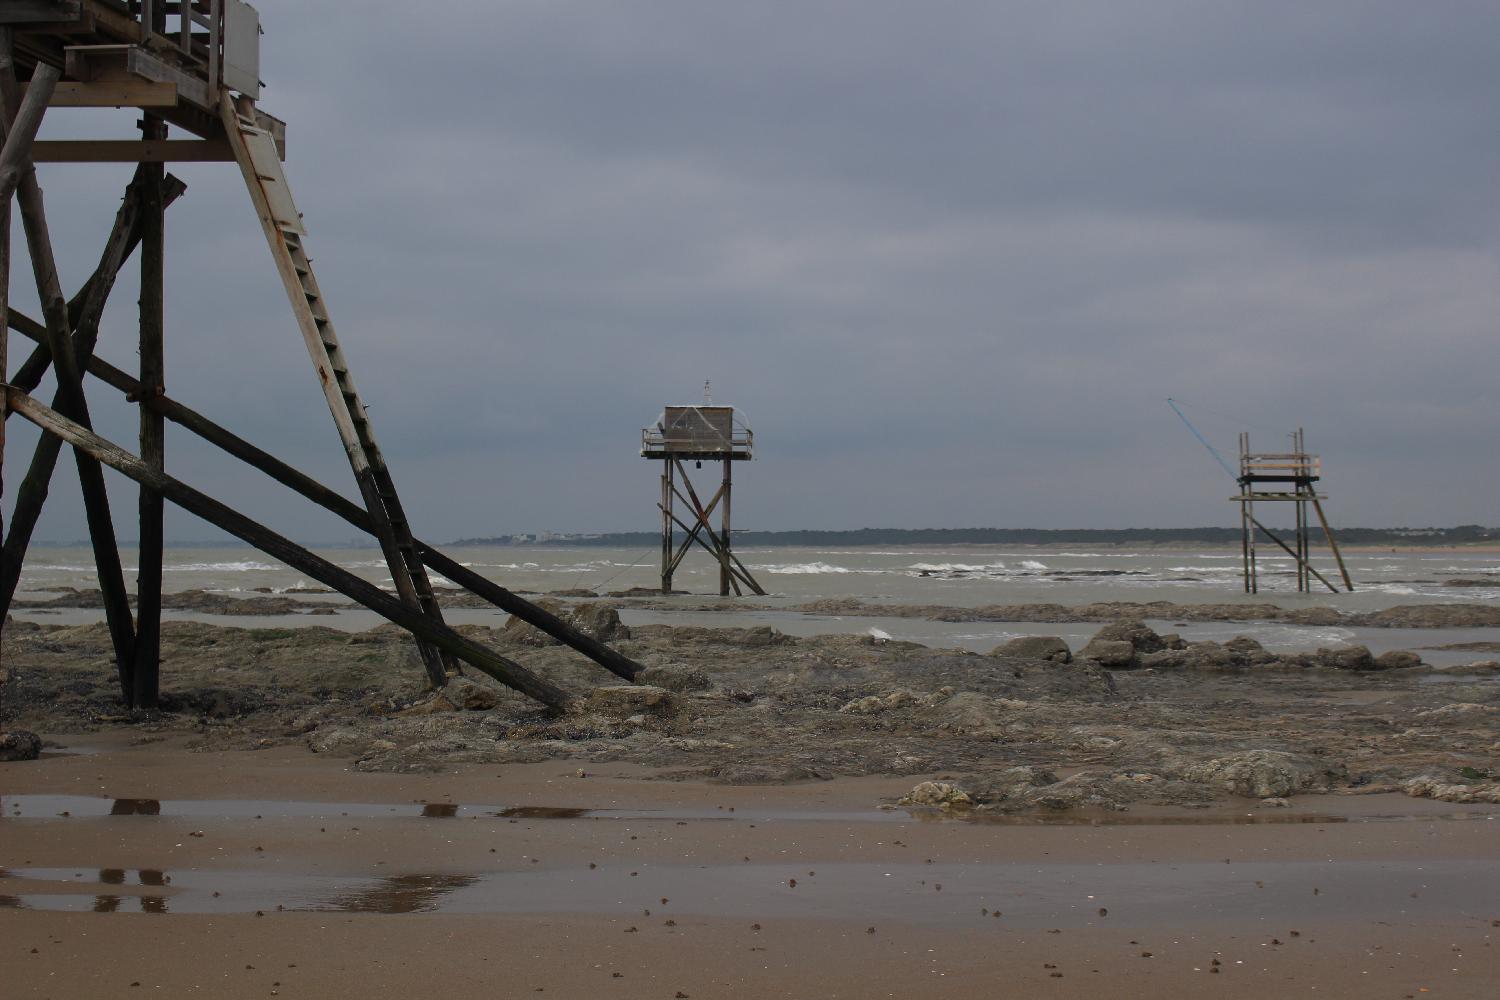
[1464, 536]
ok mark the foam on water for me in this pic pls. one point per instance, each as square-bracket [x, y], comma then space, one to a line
[807, 569]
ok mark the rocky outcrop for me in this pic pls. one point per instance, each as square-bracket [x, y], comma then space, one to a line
[1345, 658]
[940, 794]
[1264, 774]
[1428, 787]
[1036, 647]
[1397, 659]
[18, 744]
[601, 621]
[628, 700]
[1116, 654]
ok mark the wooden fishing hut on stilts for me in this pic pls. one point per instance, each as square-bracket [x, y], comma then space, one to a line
[191, 67]
[1290, 476]
[698, 434]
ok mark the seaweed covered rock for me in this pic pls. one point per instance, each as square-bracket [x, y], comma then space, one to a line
[624, 700]
[1397, 659]
[1134, 631]
[1346, 658]
[1265, 774]
[1036, 647]
[941, 794]
[599, 620]
[1117, 654]
[18, 744]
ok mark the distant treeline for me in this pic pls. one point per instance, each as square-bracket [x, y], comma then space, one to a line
[1465, 534]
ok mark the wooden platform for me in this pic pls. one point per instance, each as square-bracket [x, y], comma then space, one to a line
[108, 60]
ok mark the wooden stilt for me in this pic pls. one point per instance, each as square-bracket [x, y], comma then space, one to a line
[709, 544]
[724, 572]
[667, 562]
[353, 513]
[24, 117]
[70, 384]
[147, 672]
[1291, 552]
[1334, 545]
[279, 547]
[87, 307]
[7, 54]
[85, 310]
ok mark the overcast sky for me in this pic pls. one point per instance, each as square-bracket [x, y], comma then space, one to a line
[950, 258]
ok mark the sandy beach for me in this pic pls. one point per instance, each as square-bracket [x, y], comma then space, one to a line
[767, 815]
[802, 890]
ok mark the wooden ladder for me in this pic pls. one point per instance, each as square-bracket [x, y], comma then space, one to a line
[255, 150]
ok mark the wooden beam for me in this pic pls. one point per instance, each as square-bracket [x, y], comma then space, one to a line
[114, 94]
[130, 63]
[278, 547]
[132, 151]
[7, 49]
[216, 434]
[86, 308]
[1287, 549]
[69, 383]
[21, 123]
[84, 314]
[153, 181]
[1332, 544]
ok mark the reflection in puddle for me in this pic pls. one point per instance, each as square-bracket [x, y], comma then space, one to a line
[399, 894]
[1031, 894]
[60, 807]
[128, 904]
[542, 812]
[143, 876]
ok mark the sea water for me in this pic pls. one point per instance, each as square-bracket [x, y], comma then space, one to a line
[957, 576]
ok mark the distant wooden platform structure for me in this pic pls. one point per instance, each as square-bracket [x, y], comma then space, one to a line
[193, 66]
[698, 434]
[1283, 477]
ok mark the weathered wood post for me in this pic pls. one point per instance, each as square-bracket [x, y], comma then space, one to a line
[147, 674]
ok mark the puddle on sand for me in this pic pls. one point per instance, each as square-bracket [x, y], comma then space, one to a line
[1025, 895]
[543, 812]
[82, 806]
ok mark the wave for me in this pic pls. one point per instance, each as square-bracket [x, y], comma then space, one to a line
[239, 566]
[1032, 564]
[808, 569]
[994, 567]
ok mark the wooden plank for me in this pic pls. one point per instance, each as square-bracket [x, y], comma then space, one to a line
[279, 547]
[115, 94]
[128, 63]
[132, 151]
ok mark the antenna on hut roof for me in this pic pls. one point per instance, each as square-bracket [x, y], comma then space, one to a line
[708, 392]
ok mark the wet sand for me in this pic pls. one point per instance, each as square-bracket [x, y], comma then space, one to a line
[668, 889]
